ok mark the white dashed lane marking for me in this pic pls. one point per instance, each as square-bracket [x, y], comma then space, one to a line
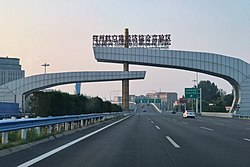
[219, 123]
[206, 128]
[247, 139]
[173, 142]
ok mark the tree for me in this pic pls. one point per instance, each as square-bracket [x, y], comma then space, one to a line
[228, 100]
[209, 90]
[214, 99]
[57, 103]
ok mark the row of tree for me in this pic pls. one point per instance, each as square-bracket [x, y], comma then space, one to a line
[213, 98]
[56, 103]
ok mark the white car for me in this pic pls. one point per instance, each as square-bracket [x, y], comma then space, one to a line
[188, 114]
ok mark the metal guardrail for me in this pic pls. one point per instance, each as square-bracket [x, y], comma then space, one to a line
[17, 124]
[9, 125]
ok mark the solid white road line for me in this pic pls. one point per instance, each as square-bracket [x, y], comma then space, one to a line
[206, 128]
[246, 139]
[185, 123]
[157, 127]
[172, 142]
[46, 155]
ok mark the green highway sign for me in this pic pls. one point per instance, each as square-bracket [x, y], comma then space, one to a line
[137, 101]
[191, 92]
[147, 101]
[151, 100]
[157, 100]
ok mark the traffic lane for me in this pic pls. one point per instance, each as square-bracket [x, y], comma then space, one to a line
[233, 123]
[229, 127]
[148, 109]
[133, 142]
[239, 128]
[25, 155]
[232, 130]
[233, 136]
[200, 147]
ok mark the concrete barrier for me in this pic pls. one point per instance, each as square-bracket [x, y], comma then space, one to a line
[217, 114]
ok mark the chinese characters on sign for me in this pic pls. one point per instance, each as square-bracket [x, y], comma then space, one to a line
[191, 93]
[162, 41]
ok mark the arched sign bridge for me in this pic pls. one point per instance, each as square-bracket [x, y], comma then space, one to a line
[16, 91]
[234, 70]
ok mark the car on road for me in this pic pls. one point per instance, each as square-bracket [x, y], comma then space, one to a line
[188, 114]
[144, 110]
[173, 112]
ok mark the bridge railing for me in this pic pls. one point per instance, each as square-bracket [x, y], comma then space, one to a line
[59, 122]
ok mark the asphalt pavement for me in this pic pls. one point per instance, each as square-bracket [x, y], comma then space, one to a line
[146, 139]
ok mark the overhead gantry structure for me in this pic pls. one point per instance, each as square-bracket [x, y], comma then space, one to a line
[233, 70]
[17, 90]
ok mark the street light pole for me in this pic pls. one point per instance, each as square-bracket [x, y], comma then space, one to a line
[45, 65]
[196, 96]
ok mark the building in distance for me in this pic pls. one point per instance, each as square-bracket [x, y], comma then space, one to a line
[10, 70]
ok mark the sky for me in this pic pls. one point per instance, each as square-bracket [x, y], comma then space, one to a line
[60, 32]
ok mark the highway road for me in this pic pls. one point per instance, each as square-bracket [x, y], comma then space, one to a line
[146, 139]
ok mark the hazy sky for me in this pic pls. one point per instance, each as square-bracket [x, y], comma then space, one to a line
[60, 33]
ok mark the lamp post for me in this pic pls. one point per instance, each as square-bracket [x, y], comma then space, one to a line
[197, 98]
[45, 65]
[195, 86]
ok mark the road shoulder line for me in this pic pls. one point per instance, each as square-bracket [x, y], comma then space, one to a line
[43, 156]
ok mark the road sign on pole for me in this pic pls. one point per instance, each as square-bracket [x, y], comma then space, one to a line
[191, 93]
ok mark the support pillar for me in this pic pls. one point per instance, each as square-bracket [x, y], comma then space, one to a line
[72, 125]
[5, 138]
[38, 130]
[81, 123]
[56, 127]
[125, 83]
[23, 134]
[49, 129]
[66, 126]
